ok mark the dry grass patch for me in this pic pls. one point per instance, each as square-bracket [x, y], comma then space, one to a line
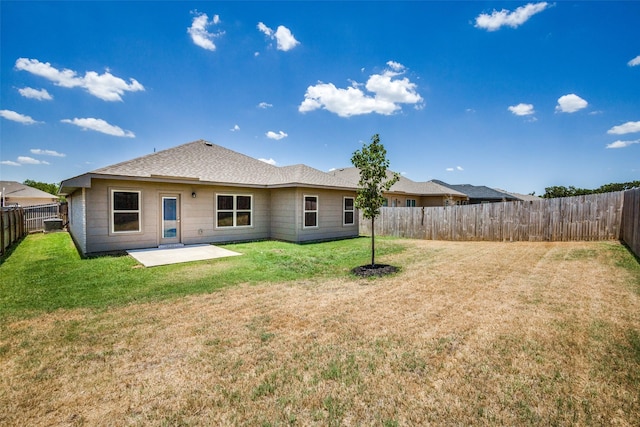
[466, 334]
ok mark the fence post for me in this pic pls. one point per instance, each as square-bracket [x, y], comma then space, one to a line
[1, 231]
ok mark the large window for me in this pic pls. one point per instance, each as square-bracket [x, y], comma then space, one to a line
[234, 210]
[411, 203]
[310, 211]
[349, 211]
[125, 211]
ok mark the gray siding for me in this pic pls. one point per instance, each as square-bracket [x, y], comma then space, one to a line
[197, 215]
[330, 216]
[276, 214]
[284, 215]
[77, 219]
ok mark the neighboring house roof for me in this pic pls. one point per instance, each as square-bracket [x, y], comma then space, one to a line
[403, 185]
[204, 162]
[479, 192]
[13, 189]
[523, 197]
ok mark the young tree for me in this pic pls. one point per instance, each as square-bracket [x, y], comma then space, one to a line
[374, 181]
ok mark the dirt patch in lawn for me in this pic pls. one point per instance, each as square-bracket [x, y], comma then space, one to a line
[375, 270]
[465, 333]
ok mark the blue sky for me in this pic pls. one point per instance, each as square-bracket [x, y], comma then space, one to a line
[514, 95]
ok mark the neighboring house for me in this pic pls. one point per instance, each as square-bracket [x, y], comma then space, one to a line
[480, 193]
[523, 197]
[408, 193]
[16, 194]
[204, 193]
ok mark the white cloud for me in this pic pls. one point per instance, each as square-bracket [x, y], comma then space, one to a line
[265, 105]
[504, 17]
[99, 125]
[284, 38]
[395, 66]
[269, 161]
[449, 169]
[39, 152]
[104, 86]
[24, 160]
[235, 128]
[457, 168]
[634, 62]
[629, 127]
[264, 29]
[277, 136]
[386, 93]
[522, 109]
[17, 117]
[199, 33]
[9, 163]
[40, 95]
[570, 103]
[622, 144]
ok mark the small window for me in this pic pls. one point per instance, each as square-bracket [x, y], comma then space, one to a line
[385, 202]
[349, 211]
[234, 210]
[125, 211]
[310, 211]
[411, 203]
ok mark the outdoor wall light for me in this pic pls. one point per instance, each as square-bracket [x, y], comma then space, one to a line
[193, 194]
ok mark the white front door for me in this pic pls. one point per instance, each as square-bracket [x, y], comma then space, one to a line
[170, 219]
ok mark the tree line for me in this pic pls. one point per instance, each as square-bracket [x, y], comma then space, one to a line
[561, 191]
[43, 186]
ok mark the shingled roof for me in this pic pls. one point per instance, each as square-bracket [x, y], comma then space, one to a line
[21, 191]
[204, 162]
[403, 185]
[479, 192]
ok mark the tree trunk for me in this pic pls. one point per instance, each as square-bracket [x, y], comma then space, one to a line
[373, 244]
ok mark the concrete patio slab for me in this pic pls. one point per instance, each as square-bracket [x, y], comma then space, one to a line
[174, 255]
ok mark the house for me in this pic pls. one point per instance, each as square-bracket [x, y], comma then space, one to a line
[16, 194]
[200, 192]
[480, 193]
[408, 193]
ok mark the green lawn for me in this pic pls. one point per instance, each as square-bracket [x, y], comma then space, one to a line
[44, 272]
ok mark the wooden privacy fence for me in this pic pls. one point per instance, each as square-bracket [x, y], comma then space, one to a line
[631, 220]
[591, 217]
[34, 216]
[11, 227]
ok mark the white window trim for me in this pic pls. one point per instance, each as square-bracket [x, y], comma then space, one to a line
[305, 211]
[114, 211]
[234, 210]
[408, 203]
[344, 211]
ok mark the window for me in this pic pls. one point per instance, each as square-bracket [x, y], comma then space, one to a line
[234, 210]
[411, 203]
[385, 202]
[310, 211]
[349, 211]
[125, 211]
